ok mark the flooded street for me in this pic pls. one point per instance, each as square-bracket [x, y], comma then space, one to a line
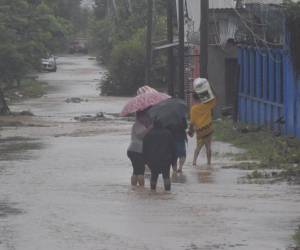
[64, 184]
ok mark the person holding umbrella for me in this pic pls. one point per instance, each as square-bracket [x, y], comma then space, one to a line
[145, 98]
[171, 113]
[201, 117]
[159, 152]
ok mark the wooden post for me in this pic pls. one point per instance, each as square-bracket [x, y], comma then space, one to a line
[204, 39]
[171, 68]
[181, 48]
[149, 42]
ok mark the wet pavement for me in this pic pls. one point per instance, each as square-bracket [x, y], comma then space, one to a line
[64, 184]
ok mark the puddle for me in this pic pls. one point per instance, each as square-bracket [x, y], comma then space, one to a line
[179, 178]
[206, 176]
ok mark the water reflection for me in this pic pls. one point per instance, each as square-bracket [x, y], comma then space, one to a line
[206, 175]
[17, 148]
[178, 178]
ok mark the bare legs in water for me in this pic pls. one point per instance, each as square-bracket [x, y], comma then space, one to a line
[206, 141]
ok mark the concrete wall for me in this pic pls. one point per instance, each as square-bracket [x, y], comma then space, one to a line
[216, 73]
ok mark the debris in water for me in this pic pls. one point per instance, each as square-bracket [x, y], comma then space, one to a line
[75, 100]
[90, 118]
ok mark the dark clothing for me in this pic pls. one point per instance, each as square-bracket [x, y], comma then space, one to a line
[159, 148]
[159, 151]
[138, 162]
[165, 170]
[179, 134]
[180, 149]
[178, 131]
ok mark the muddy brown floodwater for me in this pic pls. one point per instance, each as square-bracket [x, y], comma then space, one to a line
[64, 184]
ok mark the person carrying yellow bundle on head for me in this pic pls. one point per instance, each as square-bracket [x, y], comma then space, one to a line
[201, 117]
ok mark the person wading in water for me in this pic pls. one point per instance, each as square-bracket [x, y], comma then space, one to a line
[140, 128]
[201, 122]
[159, 151]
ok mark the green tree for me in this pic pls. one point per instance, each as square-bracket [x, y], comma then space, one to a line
[29, 30]
[100, 9]
[118, 35]
[127, 64]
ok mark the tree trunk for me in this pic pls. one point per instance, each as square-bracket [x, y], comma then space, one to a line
[4, 110]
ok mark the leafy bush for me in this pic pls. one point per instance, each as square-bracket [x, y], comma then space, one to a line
[127, 65]
[119, 41]
[101, 41]
[297, 237]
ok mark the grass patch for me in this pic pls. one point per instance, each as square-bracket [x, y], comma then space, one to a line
[296, 238]
[29, 88]
[33, 88]
[260, 145]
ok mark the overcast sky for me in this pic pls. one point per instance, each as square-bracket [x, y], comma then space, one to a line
[87, 3]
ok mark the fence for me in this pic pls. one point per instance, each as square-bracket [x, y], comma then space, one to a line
[269, 94]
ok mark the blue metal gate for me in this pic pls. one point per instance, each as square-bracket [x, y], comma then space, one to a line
[269, 94]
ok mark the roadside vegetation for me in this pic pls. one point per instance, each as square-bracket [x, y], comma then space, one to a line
[29, 88]
[118, 37]
[297, 238]
[264, 150]
[29, 31]
[267, 157]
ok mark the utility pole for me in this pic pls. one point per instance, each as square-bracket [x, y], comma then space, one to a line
[114, 4]
[204, 39]
[239, 4]
[149, 42]
[181, 48]
[129, 6]
[171, 67]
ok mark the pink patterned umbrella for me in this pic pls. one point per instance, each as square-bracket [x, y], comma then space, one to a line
[143, 101]
[145, 89]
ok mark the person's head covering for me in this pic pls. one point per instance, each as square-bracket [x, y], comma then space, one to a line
[202, 89]
[198, 84]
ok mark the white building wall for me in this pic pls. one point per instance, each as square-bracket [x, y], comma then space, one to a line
[194, 8]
